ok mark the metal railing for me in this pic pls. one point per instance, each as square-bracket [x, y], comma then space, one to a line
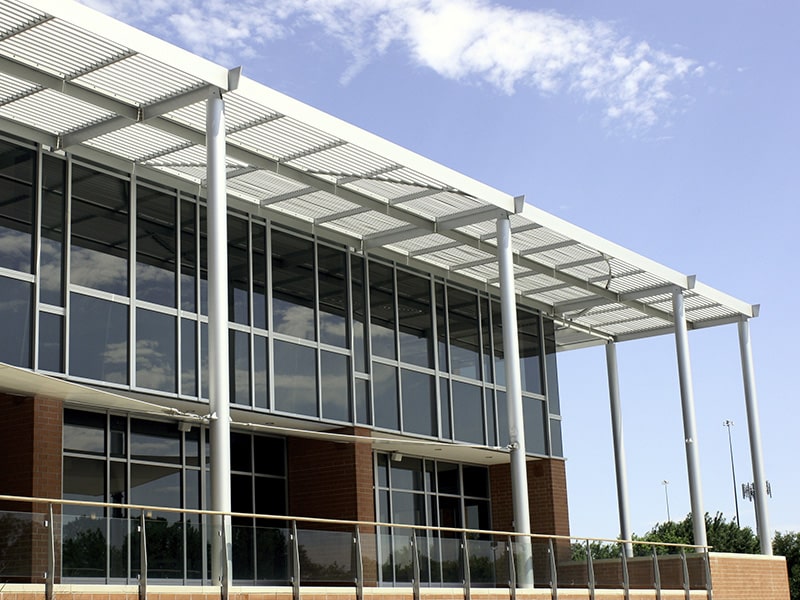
[71, 541]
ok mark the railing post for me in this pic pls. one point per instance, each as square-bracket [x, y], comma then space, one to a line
[415, 565]
[359, 565]
[142, 559]
[512, 570]
[686, 587]
[626, 580]
[553, 569]
[707, 563]
[590, 569]
[656, 574]
[467, 575]
[295, 563]
[50, 576]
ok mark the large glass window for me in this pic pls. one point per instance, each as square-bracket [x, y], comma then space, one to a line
[188, 241]
[15, 316]
[259, 248]
[415, 491]
[384, 386]
[419, 403]
[155, 351]
[359, 313]
[295, 378]
[98, 339]
[51, 342]
[100, 231]
[335, 371]
[332, 272]
[51, 252]
[415, 319]
[464, 333]
[529, 351]
[188, 357]
[468, 412]
[551, 366]
[16, 206]
[382, 319]
[239, 350]
[293, 285]
[238, 271]
[156, 249]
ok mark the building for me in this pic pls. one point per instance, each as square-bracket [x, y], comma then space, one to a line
[216, 297]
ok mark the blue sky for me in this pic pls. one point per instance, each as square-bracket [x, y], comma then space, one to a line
[670, 128]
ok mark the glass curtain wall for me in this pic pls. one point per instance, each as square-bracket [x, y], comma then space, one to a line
[118, 296]
[125, 460]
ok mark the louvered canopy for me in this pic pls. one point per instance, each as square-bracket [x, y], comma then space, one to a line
[78, 81]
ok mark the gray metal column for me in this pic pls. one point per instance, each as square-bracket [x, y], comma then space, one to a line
[619, 446]
[218, 339]
[754, 429]
[516, 422]
[689, 426]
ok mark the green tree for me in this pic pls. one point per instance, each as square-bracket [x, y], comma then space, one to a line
[788, 545]
[723, 535]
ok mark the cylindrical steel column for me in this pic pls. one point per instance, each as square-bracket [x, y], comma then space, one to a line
[619, 446]
[754, 429]
[516, 422]
[689, 426]
[218, 372]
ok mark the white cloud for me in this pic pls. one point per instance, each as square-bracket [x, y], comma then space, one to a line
[474, 41]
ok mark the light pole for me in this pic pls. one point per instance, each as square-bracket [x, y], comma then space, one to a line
[728, 423]
[665, 483]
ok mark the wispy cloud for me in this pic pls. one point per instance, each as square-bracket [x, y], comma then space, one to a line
[473, 41]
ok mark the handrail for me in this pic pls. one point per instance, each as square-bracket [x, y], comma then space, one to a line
[351, 522]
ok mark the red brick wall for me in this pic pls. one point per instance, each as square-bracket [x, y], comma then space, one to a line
[16, 448]
[330, 479]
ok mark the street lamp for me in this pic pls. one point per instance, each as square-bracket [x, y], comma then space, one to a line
[728, 423]
[665, 483]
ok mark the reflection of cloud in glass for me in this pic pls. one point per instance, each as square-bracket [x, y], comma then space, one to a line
[15, 249]
[154, 367]
[99, 270]
[293, 319]
[333, 328]
[115, 363]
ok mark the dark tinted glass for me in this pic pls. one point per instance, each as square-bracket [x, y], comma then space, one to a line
[155, 351]
[293, 285]
[444, 408]
[84, 480]
[16, 206]
[382, 320]
[260, 371]
[415, 319]
[204, 382]
[464, 333]
[486, 340]
[156, 246]
[551, 367]
[332, 269]
[203, 259]
[497, 340]
[52, 244]
[419, 403]
[15, 316]
[51, 342]
[158, 486]
[188, 255]
[259, 248]
[335, 370]
[84, 432]
[359, 314]
[363, 412]
[502, 419]
[295, 379]
[529, 351]
[406, 474]
[98, 339]
[441, 327]
[408, 508]
[155, 441]
[238, 271]
[447, 478]
[468, 412]
[555, 438]
[533, 413]
[188, 357]
[100, 236]
[491, 426]
[384, 385]
[269, 454]
[241, 452]
[476, 481]
[239, 349]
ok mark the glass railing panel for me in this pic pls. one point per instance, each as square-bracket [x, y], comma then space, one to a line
[572, 568]
[697, 565]
[119, 533]
[483, 558]
[326, 556]
[165, 546]
[451, 559]
[273, 552]
[243, 550]
[640, 568]
[20, 534]
[194, 529]
[542, 565]
[369, 557]
[84, 547]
